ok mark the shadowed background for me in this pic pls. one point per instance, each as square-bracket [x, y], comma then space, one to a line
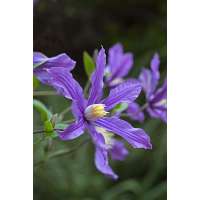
[72, 26]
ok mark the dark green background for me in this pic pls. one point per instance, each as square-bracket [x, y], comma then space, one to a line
[72, 26]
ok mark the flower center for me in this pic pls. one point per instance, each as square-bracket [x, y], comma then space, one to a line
[95, 111]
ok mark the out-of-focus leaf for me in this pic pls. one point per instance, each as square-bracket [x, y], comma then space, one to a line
[60, 126]
[120, 107]
[88, 63]
[42, 109]
[126, 186]
[36, 82]
[155, 192]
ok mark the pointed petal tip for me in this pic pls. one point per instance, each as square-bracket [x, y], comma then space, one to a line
[102, 48]
[149, 146]
[156, 55]
[101, 56]
[115, 177]
[118, 45]
[62, 135]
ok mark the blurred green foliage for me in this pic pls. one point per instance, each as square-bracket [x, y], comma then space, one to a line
[74, 26]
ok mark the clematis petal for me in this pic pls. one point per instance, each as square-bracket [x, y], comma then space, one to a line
[101, 162]
[160, 94]
[101, 154]
[158, 103]
[61, 60]
[39, 58]
[44, 63]
[42, 75]
[97, 138]
[135, 136]
[124, 66]
[62, 78]
[119, 63]
[114, 57]
[77, 113]
[134, 112]
[155, 62]
[158, 113]
[97, 78]
[147, 82]
[118, 151]
[127, 92]
[73, 131]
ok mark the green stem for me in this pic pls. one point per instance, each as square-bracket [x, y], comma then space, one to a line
[44, 93]
[55, 129]
[62, 114]
[43, 131]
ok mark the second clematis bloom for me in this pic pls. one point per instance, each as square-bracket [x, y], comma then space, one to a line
[119, 65]
[156, 99]
[42, 63]
[92, 114]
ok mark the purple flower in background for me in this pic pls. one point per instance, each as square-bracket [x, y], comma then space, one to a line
[134, 112]
[42, 63]
[91, 114]
[119, 64]
[156, 98]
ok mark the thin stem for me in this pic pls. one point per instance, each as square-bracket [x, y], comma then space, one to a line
[68, 121]
[62, 114]
[44, 93]
[43, 131]
[60, 153]
[55, 129]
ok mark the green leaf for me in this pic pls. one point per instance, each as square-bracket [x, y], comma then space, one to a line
[88, 63]
[49, 129]
[42, 109]
[36, 82]
[120, 107]
[156, 192]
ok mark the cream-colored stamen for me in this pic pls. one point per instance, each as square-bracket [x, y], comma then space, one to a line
[107, 136]
[95, 111]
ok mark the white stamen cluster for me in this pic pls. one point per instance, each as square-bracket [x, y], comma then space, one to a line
[95, 111]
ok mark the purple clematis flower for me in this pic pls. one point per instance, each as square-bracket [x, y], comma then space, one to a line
[91, 114]
[134, 112]
[119, 64]
[156, 99]
[42, 63]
